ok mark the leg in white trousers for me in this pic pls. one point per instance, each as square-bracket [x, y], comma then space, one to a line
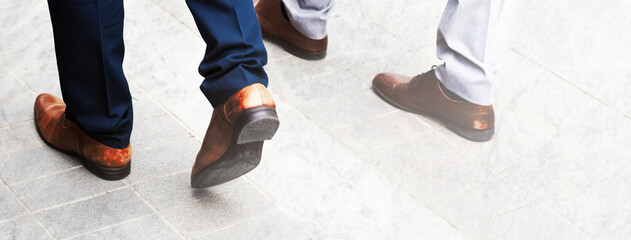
[465, 36]
[309, 16]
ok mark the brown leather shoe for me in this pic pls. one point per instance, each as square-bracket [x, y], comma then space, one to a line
[423, 95]
[277, 28]
[62, 134]
[234, 139]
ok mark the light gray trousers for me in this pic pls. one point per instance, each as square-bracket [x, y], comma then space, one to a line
[465, 37]
[309, 16]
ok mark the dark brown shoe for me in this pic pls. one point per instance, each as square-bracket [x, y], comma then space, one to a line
[234, 139]
[424, 95]
[62, 134]
[277, 28]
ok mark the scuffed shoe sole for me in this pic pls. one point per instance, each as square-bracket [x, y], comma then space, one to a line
[244, 153]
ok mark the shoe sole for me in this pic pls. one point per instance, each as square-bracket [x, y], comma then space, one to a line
[105, 173]
[244, 153]
[319, 55]
[472, 135]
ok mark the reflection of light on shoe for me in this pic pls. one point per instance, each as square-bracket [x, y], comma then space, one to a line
[423, 95]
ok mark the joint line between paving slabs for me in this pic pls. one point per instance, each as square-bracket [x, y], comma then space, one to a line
[195, 32]
[80, 199]
[12, 73]
[108, 227]
[28, 210]
[167, 111]
[153, 209]
[48, 175]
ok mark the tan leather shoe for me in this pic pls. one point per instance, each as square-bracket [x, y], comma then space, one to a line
[62, 134]
[278, 29]
[423, 94]
[234, 139]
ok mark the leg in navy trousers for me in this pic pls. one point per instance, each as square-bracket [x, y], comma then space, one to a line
[95, 118]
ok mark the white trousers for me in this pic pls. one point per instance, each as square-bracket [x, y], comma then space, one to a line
[309, 16]
[465, 37]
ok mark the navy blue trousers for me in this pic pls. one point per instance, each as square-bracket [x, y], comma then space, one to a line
[89, 47]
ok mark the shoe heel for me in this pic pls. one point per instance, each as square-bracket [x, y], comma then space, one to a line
[306, 55]
[472, 135]
[107, 173]
[256, 125]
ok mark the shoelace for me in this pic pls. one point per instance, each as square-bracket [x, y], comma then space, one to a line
[420, 76]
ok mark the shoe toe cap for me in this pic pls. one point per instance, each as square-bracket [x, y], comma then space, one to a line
[46, 99]
[388, 81]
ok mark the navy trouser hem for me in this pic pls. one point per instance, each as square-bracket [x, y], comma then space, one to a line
[218, 91]
[111, 139]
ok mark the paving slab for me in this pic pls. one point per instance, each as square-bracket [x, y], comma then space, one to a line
[23, 228]
[149, 227]
[93, 214]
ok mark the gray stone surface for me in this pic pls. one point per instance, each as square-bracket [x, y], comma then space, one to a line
[141, 46]
[175, 190]
[16, 99]
[156, 131]
[347, 109]
[273, 225]
[180, 11]
[174, 156]
[223, 210]
[288, 70]
[39, 162]
[583, 205]
[530, 222]
[340, 196]
[23, 228]
[93, 214]
[384, 130]
[9, 205]
[354, 40]
[144, 107]
[316, 88]
[19, 54]
[451, 169]
[61, 188]
[149, 227]
[473, 205]
[19, 137]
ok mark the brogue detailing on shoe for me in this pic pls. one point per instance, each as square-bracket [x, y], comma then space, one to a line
[226, 114]
[64, 121]
[106, 156]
